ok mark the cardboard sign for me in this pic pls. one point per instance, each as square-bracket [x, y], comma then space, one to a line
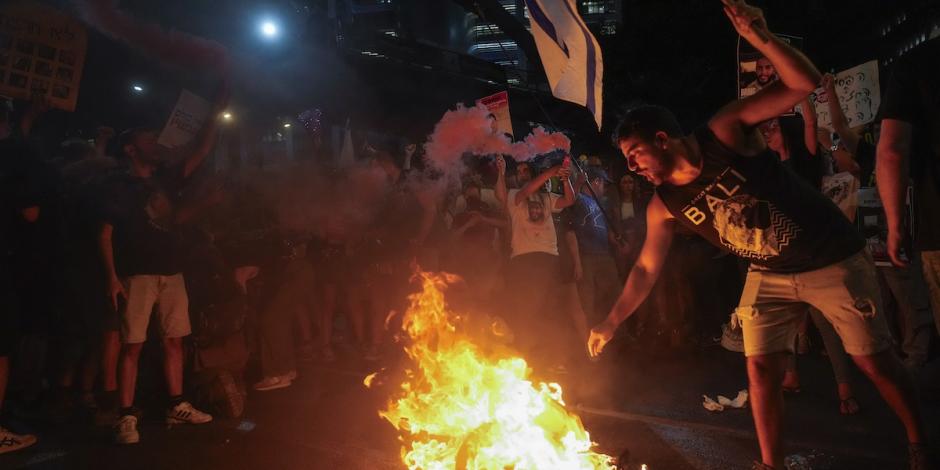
[185, 121]
[859, 96]
[42, 52]
[498, 105]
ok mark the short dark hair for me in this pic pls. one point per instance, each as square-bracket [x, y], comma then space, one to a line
[645, 121]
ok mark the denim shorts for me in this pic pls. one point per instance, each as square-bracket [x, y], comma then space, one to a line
[847, 293]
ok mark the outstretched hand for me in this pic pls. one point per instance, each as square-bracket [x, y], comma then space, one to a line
[600, 335]
[747, 20]
[501, 164]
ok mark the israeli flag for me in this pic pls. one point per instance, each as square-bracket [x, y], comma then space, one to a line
[570, 54]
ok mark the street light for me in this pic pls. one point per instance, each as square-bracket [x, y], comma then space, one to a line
[137, 88]
[269, 29]
[286, 125]
[227, 116]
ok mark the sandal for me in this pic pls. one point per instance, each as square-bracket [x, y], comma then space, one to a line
[849, 406]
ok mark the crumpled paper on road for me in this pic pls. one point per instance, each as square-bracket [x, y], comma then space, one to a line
[723, 402]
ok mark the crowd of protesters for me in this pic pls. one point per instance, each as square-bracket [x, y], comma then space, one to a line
[107, 245]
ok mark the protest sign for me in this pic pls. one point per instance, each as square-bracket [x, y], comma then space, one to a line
[498, 105]
[859, 96]
[754, 70]
[42, 52]
[185, 121]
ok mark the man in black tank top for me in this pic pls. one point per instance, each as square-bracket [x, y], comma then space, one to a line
[724, 184]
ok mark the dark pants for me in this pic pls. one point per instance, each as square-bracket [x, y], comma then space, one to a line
[540, 327]
[599, 286]
[295, 293]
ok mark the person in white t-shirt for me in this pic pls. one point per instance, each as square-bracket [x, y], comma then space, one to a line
[533, 274]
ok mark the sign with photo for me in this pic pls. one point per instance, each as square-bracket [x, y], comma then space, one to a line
[42, 52]
[498, 105]
[859, 96]
[185, 121]
[754, 70]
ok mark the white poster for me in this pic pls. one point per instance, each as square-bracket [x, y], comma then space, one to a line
[859, 96]
[185, 121]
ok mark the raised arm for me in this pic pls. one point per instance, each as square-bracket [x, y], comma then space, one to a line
[734, 124]
[207, 136]
[568, 196]
[810, 125]
[660, 227]
[535, 185]
[839, 123]
[500, 188]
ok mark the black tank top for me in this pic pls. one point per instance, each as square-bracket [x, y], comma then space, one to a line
[760, 210]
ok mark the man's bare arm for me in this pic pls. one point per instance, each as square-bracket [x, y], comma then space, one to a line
[535, 184]
[106, 249]
[891, 172]
[500, 187]
[567, 200]
[660, 229]
[810, 126]
[207, 136]
[734, 124]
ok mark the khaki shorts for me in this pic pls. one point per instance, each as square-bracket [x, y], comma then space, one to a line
[144, 291]
[847, 293]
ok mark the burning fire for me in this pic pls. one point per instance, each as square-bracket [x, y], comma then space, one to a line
[461, 407]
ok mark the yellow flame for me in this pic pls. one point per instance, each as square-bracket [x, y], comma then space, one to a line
[459, 408]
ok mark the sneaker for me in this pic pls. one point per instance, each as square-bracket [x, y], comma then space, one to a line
[12, 442]
[184, 413]
[274, 383]
[125, 431]
[292, 375]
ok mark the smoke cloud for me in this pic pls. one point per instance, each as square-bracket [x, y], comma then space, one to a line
[170, 47]
[466, 130]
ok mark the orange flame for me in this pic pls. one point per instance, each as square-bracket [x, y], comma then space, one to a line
[460, 409]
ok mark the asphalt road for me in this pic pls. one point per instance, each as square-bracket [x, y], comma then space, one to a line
[650, 406]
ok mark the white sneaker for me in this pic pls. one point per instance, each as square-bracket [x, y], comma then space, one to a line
[184, 413]
[11, 442]
[125, 431]
[274, 383]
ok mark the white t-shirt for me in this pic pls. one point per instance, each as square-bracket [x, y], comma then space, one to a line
[532, 227]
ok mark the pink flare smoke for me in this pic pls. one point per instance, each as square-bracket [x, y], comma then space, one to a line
[173, 47]
[469, 130]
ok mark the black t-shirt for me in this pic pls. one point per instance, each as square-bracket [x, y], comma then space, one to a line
[761, 210]
[141, 211]
[913, 96]
[26, 181]
[802, 161]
